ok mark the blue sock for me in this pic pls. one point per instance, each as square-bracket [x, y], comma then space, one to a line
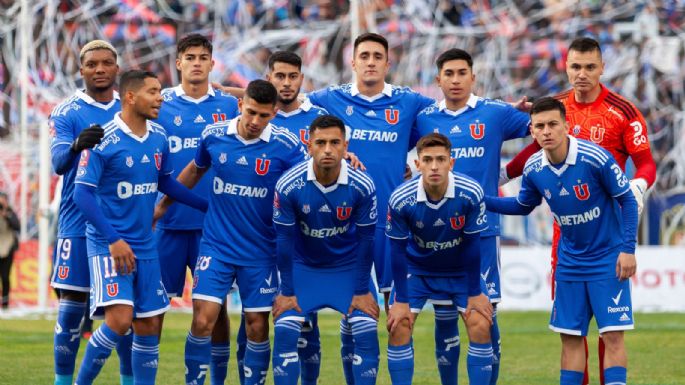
[218, 368]
[124, 351]
[347, 350]
[66, 340]
[145, 359]
[257, 356]
[615, 375]
[286, 364]
[479, 363]
[241, 341]
[570, 377]
[447, 343]
[496, 347]
[197, 356]
[98, 350]
[309, 349]
[366, 349]
[401, 364]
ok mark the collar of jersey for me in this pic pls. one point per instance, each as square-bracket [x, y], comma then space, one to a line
[570, 157]
[421, 195]
[178, 90]
[86, 98]
[305, 106]
[342, 177]
[232, 129]
[127, 130]
[471, 103]
[387, 91]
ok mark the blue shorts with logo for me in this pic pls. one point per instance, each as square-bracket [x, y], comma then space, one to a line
[213, 279]
[70, 269]
[490, 267]
[447, 291]
[178, 250]
[142, 289]
[576, 302]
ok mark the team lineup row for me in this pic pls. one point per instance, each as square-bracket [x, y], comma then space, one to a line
[290, 203]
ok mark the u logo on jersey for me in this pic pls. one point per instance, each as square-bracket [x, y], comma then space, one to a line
[63, 272]
[304, 136]
[457, 223]
[582, 191]
[392, 116]
[343, 213]
[85, 155]
[597, 134]
[218, 117]
[158, 160]
[262, 166]
[477, 130]
[112, 289]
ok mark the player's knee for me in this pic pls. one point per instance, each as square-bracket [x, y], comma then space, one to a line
[119, 318]
[147, 326]
[478, 328]
[613, 340]
[203, 323]
[401, 335]
[257, 326]
[75, 296]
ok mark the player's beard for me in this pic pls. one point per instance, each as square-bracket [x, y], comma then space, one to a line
[288, 101]
[97, 90]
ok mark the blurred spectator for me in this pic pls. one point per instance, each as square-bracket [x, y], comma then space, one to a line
[9, 243]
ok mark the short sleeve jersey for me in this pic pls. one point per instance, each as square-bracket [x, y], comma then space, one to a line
[298, 121]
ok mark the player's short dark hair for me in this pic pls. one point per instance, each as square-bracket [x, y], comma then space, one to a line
[287, 57]
[193, 40]
[453, 54]
[261, 92]
[548, 103]
[326, 121]
[433, 139]
[369, 36]
[132, 80]
[585, 44]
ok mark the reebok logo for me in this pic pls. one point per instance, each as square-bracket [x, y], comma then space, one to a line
[617, 299]
[485, 275]
[268, 280]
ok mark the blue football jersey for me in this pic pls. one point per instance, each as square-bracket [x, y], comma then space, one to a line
[435, 229]
[477, 133]
[298, 121]
[184, 118]
[124, 169]
[238, 223]
[328, 216]
[381, 128]
[66, 122]
[580, 194]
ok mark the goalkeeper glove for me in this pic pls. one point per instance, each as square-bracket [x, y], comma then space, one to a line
[88, 138]
[638, 186]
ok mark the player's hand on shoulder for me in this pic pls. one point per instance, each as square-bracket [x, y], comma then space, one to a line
[365, 303]
[480, 304]
[626, 266]
[234, 91]
[124, 259]
[284, 303]
[523, 104]
[88, 138]
[397, 314]
[355, 162]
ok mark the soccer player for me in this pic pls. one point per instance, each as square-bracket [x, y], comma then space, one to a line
[248, 155]
[74, 126]
[325, 215]
[116, 188]
[477, 127]
[433, 225]
[187, 109]
[381, 118]
[592, 202]
[603, 117]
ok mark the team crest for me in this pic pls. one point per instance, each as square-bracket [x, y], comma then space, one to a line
[349, 111]
[392, 116]
[343, 213]
[85, 155]
[222, 158]
[220, 117]
[177, 120]
[477, 130]
[129, 161]
[304, 136]
[582, 191]
[194, 281]
[63, 272]
[158, 160]
[306, 209]
[419, 224]
[576, 130]
[457, 223]
[597, 134]
[262, 166]
[51, 128]
[112, 289]
[548, 194]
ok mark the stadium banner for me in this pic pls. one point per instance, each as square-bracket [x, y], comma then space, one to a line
[658, 286]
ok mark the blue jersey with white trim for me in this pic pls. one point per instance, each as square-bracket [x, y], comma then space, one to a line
[381, 129]
[327, 217]
[477, 133]
[184, 119]
[124, 169]
[435, 229]
[298, 121]
[580, 193]
[67, 120]
[238, 223]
